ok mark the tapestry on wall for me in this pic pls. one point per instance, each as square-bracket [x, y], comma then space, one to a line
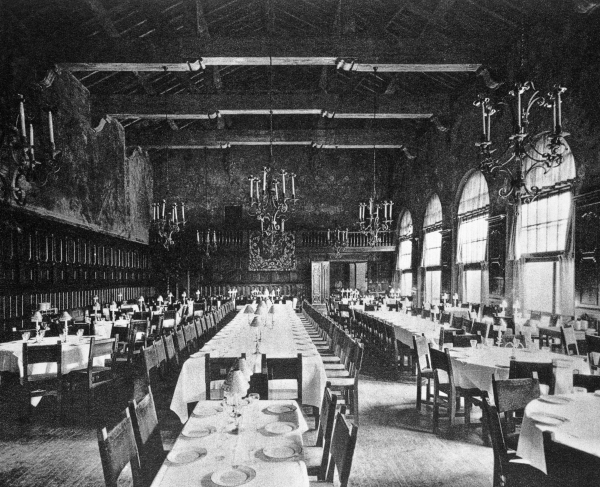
[278, 254]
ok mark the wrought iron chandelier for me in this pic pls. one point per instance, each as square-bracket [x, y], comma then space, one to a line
[269, 203]
[165, 223]
[525, 152]
[338, 240]
[20, 167]
[207, 242]
[372, 225]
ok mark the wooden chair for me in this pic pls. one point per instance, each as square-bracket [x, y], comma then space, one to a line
[590, 382]
[511, 396]
[93, 376]
[424, 369]
[191, 337]
[284, 377]
[42, 385]
[169, 317]
[343, 443]
[215, 373]
[526, 370]
[463, 341]
[161, 357]
[317, 457]
[173, 361]
[150, 359]
[118, 449]
[593, 347]
[156, 327]
[447, 336]
[509, 471]
[569, 340]
[481, 329]
[445, 318]
[347, 387]
[147, 436]
[181, 346]
[138, 339]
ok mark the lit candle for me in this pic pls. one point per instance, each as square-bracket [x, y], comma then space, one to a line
[51, 126]
[198, 236]
[22, 116]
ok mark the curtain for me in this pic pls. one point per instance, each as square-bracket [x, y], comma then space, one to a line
[485, 283]
[566, 270]
[472, 240]
[474, 194]
[432, 249]
[461, 291]
[433, 212]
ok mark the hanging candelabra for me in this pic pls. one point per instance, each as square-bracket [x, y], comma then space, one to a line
[373, 224]
[167, 223]
[20, 166]
[207, 242]
[525, 152]
[338, 240]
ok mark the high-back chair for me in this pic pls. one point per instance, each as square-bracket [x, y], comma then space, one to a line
[41, 385]
[147, 436]
[118, 449]
[569, 340]
[92, 376]
[216, 370]
[481, 329]
[348, 386]
[181, 345]
[284, 377]
[343, 442]
[424, 370]
[525, 370]
[317, 457]
[510, 397]
[593, 350]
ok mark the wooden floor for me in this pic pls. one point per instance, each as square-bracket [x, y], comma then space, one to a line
[395, 444]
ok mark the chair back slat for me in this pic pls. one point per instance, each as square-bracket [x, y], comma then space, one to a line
[99, 347]
[525, 370]
[514, 394]
[422, 351]
[117, 449]
[343, 443]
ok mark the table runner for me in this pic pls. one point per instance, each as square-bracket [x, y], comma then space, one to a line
[581, 430]
[286, 338]
[226, 448]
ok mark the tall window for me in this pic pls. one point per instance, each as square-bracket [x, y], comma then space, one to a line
[404, 263]
[473, 211]
[543, 240]
[432, 250]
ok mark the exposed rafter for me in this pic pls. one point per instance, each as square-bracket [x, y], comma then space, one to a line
[349, 139]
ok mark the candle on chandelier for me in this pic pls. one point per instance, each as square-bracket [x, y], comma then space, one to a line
[251, 179]
[207, 239]
[163, 208]
[489, 126]
[346, 234]
[293, 186]
[371, 208]
[282, 226]
[183, 211]
[198, 236]
[283, 182]
[391, 204]
[276, 184]
[328, 235]
[51, 126]
[265, 179]
[22, 116]
[175, 219]
[214, 236]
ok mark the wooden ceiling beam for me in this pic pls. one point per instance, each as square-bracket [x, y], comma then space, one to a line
[362, 49]
[197, 65]
[186, 104]
[332, 138]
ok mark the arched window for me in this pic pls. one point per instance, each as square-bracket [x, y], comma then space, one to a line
[543, 229]
[432, 249]
[473, 211]
[404, 262]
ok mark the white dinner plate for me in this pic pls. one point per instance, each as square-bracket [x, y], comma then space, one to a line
[199, 432]
[233, 476]
[186, 456]
[204, 412]
[280, 427]
[548, 419]
[281, 452]
[281, 408]
[555, 399]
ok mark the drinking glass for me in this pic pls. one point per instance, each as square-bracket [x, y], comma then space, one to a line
[489, 342]
[26, 336]
[473, 343]
[253, 397]
[79, 334]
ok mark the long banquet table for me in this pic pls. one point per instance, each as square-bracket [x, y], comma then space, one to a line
[266, 449]
[573, 419]
[286, 337]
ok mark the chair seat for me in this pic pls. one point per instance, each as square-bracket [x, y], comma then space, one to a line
[37, 378]
[330, 359]
[313, 457]
[337, 373]
[341, 381]
[335, 367]
[283, 389]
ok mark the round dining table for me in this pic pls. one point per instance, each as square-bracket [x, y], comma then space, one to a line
[572, 419]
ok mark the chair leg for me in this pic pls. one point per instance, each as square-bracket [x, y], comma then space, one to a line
[419, 390]
[436, 410]
[467, 410]
[452, 407]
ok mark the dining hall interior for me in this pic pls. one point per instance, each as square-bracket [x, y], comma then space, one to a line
[312, 242]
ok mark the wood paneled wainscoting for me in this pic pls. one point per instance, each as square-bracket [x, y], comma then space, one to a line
[42, 260]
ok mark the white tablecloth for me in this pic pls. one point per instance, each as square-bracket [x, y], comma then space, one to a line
[473, 368]
[406, 326]
[581, 430]
[286, 338]
[74, 355]
[225, 448]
